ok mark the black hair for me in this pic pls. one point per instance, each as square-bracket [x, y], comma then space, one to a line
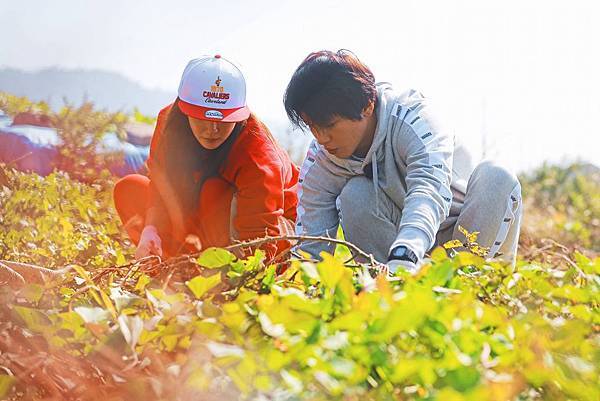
[184, 156]
[329, 84]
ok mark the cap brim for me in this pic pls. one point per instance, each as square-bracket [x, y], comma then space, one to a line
[212, 114]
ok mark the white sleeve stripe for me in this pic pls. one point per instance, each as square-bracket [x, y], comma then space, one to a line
[507, 220]
[308, 163]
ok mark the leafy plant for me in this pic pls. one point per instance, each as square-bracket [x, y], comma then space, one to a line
[564, 203]
[216, 327]
[141, 118]
[81, 129]
[13, 105]
[54, 221]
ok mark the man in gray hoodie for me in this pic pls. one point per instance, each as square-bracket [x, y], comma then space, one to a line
[383, 167]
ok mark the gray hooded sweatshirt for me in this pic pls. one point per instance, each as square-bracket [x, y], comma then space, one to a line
[413, 160]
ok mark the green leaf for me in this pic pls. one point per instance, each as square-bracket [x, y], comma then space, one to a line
[6, 384]
[439, 253]
[571, 293]
[255, 261]
[213, 258]
[587, 265]
[269, 278]
[463, 378]
[170, 341]
[32, 292]
[469, 259]
[330, 270]
[200, 285]
[440, 273]
[262, 383]
[142, 282]
[33, 318]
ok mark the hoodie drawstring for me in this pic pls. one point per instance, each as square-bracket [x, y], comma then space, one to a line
[375, 181]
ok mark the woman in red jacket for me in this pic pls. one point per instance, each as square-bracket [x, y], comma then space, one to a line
[215, 171]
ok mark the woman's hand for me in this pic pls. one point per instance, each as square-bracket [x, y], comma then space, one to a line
[149, 244]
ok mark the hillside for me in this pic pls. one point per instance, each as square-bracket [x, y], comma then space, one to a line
[107, 90]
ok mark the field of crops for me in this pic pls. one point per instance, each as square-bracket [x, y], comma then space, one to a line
[96, 325]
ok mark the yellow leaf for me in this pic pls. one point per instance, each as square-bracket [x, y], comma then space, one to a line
[170, 341]
[142, 282]
[473, 236]
[439, 254]
[108, 303]
[453, 244]
[200, 285]
[469, 259]
[384, 288]
[479, 250]
[83, 273]
[330, 270]
[6, 384]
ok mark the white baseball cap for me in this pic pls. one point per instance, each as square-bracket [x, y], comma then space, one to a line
[214, 89]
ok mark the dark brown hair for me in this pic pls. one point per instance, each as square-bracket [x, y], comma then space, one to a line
[329, 84]
[183, 156]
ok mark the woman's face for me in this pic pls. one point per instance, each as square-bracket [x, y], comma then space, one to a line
[210, 134]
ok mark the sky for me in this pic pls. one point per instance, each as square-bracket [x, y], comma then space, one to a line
[517, 81]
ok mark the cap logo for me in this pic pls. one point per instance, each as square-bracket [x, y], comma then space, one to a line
[216, 94]
[213, 114]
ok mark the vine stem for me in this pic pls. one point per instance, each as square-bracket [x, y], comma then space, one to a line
[356, 251]
[140, 264]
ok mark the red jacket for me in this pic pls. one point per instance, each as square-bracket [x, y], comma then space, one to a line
[264, 178]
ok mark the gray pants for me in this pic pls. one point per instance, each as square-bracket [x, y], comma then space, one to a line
[491, 206]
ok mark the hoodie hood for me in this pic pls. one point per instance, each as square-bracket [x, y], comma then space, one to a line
[386, 106]
[387, 101]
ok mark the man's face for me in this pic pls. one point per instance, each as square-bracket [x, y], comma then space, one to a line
[210, 134]
[343, 137]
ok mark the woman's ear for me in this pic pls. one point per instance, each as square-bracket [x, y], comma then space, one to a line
[368, 111]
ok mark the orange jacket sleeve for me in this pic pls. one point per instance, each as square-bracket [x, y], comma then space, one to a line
[154, 159]
[260, 181]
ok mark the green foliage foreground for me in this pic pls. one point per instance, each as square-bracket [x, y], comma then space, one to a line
[218, 328]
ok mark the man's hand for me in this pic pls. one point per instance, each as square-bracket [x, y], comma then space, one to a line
[149, 244]
[401, 257]
[394, 265]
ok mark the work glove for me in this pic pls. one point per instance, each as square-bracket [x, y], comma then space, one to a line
[149, 244]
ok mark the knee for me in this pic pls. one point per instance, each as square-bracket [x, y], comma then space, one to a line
[131, 187]
[216, 189]
[354, 200]
[502, 187]
[498, 179]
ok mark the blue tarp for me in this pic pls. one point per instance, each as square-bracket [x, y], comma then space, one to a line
[135, 156]
[33, 148]
[29, 148]
[5, 120]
